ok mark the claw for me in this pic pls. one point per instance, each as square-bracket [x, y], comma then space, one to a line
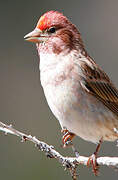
[93, 159]
[67, 138]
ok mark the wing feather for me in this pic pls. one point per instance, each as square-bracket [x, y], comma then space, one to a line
[98, 84]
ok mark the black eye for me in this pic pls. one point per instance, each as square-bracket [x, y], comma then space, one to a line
[52, 30]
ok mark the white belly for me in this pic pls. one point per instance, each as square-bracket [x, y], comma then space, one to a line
[78, 115]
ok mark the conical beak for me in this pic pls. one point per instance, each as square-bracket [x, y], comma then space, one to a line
[34, 36]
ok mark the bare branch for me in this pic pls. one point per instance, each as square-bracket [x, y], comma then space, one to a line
[70, 163]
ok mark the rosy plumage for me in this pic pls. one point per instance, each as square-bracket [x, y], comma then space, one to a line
[78, 91]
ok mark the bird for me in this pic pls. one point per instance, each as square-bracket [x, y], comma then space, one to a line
[79, 93]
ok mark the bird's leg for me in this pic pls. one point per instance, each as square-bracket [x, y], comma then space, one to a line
[67, 137]
[93, 159]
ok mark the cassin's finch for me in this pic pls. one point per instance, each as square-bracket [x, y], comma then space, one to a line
[78, 91]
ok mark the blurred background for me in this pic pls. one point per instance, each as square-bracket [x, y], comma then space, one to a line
[22, 102]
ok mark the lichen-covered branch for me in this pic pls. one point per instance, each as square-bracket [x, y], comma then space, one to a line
[70, 163]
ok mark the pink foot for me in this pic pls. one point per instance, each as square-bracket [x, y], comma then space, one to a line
[67, 138]
[93, 161]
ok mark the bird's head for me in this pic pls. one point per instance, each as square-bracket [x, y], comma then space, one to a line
[55, 32]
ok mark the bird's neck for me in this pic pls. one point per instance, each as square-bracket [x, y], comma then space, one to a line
[50, 60]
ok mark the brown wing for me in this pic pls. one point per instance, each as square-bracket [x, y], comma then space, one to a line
[96, 81]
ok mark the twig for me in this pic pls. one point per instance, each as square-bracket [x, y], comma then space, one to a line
[70, 163]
